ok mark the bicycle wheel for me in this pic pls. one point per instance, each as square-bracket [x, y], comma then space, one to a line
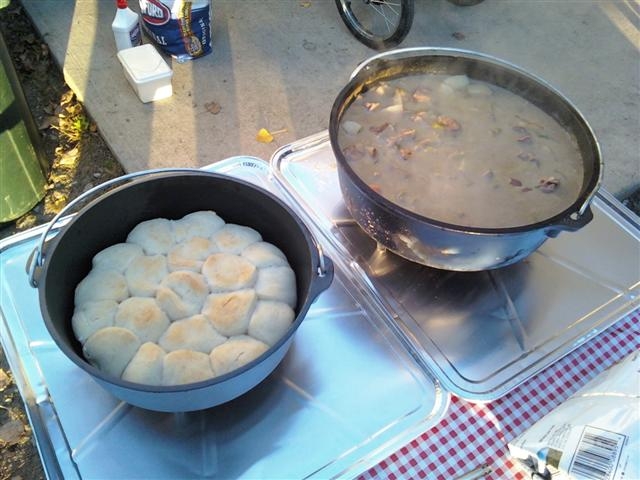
[377, 23]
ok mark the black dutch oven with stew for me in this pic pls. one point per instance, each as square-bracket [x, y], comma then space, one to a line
[447, 244]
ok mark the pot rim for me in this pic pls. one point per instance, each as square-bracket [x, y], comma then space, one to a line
[319, 281]
[570, 218]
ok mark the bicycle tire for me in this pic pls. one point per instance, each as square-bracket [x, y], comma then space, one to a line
[365, 35]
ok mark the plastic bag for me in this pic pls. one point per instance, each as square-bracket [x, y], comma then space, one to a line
[594, 435]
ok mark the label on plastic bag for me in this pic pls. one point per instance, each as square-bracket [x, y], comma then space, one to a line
[597, 452]
[180, 28]
[594, 435]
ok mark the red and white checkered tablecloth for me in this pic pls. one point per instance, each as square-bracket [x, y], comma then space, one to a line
[474, 434]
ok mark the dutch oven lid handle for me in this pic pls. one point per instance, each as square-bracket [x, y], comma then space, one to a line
[578, 219]
[37, 257]
[324, 273]
[573, 222]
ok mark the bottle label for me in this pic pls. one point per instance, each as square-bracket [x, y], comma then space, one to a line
[178, 27]
[136, 36]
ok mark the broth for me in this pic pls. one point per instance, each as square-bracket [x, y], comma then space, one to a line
[461, 151]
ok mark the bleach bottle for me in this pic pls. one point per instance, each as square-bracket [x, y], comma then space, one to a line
[126, 27]
[180, 28]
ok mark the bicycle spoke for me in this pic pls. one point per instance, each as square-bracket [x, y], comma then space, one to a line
[380, 9]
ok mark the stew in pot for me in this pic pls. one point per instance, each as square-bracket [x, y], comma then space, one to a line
[461, 151]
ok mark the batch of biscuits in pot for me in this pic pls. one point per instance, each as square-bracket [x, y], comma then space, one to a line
[183, 301]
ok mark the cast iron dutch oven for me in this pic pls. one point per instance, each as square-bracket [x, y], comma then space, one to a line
[63, 261]
[444, 245]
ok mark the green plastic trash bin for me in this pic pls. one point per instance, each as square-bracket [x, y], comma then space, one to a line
[22, 161]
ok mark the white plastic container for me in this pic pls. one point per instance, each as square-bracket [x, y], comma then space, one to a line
[126, 27]
[147, 72]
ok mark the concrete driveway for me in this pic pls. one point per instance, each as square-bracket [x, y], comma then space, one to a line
[278, 64]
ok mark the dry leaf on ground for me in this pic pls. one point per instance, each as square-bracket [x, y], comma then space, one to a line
[5, 380]
[11, 432]
[213, 107]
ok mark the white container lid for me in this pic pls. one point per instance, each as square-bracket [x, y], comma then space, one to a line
[144, 63]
